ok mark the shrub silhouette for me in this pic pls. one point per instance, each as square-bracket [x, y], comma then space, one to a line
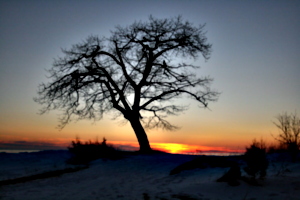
[83, 153]
[256, 159]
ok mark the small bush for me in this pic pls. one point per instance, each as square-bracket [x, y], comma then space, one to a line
[83, 153]
[256, 159]
[291, 150]
[277, 148]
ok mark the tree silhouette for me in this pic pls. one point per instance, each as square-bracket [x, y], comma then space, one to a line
[289, 132]
[134, 72]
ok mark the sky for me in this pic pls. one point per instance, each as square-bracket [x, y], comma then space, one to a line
[255, 64]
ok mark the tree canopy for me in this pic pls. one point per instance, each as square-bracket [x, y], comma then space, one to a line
[135, 72]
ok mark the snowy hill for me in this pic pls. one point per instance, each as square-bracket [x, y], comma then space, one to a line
[141, 177]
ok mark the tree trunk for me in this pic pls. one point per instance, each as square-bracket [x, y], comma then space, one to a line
[140, 134]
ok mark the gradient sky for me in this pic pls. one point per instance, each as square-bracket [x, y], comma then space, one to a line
[255, 64]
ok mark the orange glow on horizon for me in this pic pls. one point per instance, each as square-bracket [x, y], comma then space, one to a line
[176, 148]
[64, 143]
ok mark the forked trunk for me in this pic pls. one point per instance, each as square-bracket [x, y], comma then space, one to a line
[140, 134]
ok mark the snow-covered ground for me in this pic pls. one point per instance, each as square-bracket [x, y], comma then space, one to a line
[140, 177]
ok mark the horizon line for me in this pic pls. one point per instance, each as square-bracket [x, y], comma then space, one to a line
[174, 148]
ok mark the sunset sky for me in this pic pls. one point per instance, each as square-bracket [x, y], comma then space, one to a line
[255, 64]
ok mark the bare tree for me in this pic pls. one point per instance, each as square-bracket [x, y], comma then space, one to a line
[289, 127]
[134, 72]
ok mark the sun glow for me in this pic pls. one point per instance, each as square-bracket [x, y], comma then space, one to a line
[176, 148]
[171, 147]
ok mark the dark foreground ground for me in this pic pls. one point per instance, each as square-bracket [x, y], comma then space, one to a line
[141, 177]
